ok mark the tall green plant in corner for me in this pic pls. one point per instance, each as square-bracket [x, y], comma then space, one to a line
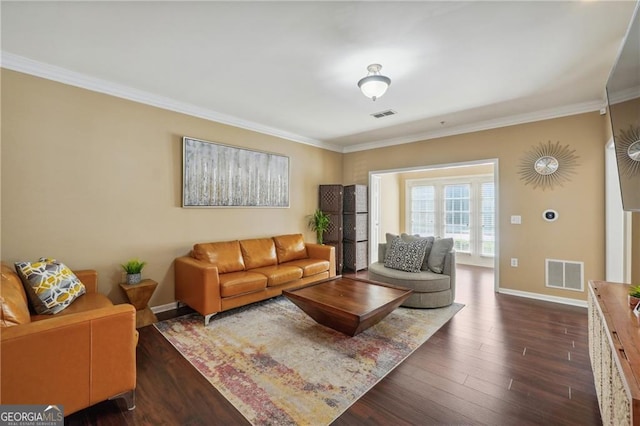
[319, 222]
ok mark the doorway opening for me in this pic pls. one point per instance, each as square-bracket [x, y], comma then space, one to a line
[458, 200]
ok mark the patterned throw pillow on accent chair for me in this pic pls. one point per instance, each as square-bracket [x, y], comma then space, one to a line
[49, 284]
[405, 256]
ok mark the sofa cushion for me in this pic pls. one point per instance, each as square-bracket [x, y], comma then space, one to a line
[258, 252]
[290, 247]
[50, 285]
[421, 282]
[405, 256]
[14, 308]
[279, 274]
[86, 302]
[226, 255]
[310, 266]
[235, 283]
[390, 237]
[441, 246]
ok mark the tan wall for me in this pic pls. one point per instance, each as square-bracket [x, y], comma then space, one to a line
[577, 235]
[389, 206]
[94, 180]
[608, 132]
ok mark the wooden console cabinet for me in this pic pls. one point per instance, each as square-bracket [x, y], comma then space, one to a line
[614, 349]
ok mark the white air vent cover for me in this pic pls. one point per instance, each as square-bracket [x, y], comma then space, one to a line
[564, 274]
[384, 113]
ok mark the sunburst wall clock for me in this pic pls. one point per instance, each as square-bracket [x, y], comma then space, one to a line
[547, 165]
[628, 151]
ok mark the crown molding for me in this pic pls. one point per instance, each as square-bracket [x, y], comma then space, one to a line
[512, 120]
[62, 75]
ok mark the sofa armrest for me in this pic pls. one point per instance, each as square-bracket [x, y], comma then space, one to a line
[75, 360]
[382, 252]
[324, 252]
[89, 278]
[449, 268]
[197, 284]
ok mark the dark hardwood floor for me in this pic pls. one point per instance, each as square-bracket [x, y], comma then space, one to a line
[502, 360]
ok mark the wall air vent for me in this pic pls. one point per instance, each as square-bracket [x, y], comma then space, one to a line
[384, 113]
[564, 274]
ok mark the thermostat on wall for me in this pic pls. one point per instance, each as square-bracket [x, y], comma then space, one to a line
[550, 215]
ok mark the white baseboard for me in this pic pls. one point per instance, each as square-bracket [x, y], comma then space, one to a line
[544, 297]
[526, 294]
[164, 308]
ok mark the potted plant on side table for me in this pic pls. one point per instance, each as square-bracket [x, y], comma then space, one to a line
[634, 295]
[133, 268]
[319, 222]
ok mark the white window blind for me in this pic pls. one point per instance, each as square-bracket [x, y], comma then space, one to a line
[457, 215]
[423, 206]
[487, 219]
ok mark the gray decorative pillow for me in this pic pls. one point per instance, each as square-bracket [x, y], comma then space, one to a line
[441, 246]
[405, 256]
[49, 284]
[409, 238]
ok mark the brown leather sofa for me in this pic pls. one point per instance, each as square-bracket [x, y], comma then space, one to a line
[78, 357]
[220, 276]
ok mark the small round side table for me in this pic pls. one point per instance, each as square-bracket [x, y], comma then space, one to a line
[139, 295]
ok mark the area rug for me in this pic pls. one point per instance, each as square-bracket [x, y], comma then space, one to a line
[277, 366]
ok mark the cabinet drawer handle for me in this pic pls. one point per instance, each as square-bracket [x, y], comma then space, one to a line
[623, 354]
[615, 337]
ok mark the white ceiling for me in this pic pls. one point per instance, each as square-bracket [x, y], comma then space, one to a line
[290, 68]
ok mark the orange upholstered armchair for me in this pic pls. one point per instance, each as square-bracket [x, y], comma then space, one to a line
[75, 358]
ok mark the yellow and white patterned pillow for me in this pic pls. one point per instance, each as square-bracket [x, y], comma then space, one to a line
[50, 285]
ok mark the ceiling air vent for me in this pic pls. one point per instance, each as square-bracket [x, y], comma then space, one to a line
[383, 113]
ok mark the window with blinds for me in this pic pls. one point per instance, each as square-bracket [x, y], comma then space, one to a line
[461, 208]
[487, 219]
[423, 210]
[457, 215]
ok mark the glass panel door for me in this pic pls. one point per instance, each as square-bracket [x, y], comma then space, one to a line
[487, 219]
[457, 215]
[423, 210]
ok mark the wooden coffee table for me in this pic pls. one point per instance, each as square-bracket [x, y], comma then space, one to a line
[347, 305]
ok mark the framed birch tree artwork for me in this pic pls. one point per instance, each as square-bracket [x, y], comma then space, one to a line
[217, 175]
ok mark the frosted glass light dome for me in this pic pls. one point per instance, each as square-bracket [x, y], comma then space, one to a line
[374, 84]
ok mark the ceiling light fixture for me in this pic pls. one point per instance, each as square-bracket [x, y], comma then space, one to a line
[374, 84]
